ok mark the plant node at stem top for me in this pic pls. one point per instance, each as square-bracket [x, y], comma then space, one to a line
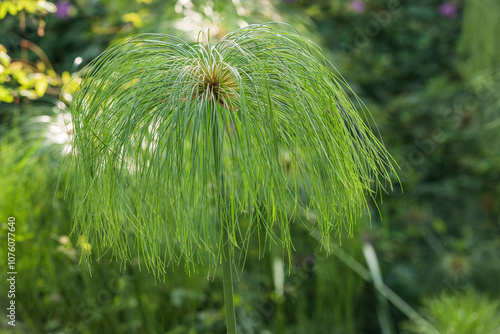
[215, 81]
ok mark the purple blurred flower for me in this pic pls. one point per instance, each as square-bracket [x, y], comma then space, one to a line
[358, 6]
[63, 8]
[448, 9]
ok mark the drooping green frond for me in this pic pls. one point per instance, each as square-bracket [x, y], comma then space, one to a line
[159, 123]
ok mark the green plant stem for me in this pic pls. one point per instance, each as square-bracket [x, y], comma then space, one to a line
[227, 279]
[228, 286]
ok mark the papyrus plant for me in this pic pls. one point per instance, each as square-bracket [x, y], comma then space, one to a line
[174, 143]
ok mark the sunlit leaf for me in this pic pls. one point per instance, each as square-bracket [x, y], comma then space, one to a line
[47, 6]
[133, 18]
[7, 7]
[41, 85]
[6, 95]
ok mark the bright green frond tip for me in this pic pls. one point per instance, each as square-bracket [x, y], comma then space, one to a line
[177, 145]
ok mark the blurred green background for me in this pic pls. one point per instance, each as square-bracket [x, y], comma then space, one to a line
[429, 71]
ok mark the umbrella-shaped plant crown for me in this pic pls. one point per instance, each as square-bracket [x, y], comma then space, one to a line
[180, 148]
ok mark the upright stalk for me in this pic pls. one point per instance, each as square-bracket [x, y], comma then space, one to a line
[228, 286]
[227, 258]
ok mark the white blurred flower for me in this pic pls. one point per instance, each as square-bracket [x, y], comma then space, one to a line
[57, 129]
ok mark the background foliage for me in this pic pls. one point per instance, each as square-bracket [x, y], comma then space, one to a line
[433, 89]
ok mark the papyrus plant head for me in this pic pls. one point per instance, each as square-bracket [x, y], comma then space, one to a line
[168, 136]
